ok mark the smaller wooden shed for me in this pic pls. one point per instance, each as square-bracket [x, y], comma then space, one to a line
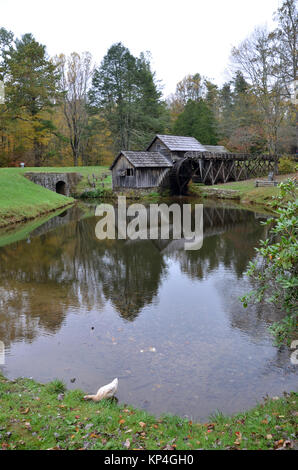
[139, 169]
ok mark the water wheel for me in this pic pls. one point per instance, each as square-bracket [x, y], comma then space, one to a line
[184, 170]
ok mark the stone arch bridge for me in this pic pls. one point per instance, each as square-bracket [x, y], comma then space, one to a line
[62, 183]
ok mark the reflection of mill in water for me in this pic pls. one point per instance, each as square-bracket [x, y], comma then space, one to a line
[216, 221]
[144, 266]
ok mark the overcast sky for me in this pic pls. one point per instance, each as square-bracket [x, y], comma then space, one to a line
[184, 37]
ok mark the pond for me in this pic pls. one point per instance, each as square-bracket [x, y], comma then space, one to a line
[167, 322]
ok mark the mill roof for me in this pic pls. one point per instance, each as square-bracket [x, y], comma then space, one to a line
[144, 159]
[180, 143]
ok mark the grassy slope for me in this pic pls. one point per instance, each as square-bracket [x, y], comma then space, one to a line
[20, 199]
[34, 416]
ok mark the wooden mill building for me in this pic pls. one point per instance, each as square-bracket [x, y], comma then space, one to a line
[147, 169]
[173, 161]
[139, 169]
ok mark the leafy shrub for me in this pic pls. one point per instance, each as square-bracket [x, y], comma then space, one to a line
[97, 193]
[275, 269]
[287, 165]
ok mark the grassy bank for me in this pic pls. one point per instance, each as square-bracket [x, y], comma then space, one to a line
[243, 191]
[35, 416]
[22, 200]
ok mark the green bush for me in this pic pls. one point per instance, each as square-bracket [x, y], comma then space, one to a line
[286, 165]
[97, 193]
[275, 269]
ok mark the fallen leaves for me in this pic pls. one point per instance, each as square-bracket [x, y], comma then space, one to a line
[209, 426]
[169, 447]
[127, 444]
[282, 444]
[237, 442]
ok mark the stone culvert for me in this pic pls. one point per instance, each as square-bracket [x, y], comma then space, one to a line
[62, 183]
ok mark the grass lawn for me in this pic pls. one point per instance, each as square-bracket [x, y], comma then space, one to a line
[35, 416]
[20, 199]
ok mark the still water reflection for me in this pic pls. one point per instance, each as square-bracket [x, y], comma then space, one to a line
[166, 322]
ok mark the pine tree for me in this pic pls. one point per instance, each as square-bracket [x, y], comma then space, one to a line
[124, 91]
[197, 120]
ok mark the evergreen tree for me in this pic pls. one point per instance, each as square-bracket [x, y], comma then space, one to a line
[197, 120]
[124, 90]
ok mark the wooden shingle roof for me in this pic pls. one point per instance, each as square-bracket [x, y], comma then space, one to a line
[180, 144]
[144, 159]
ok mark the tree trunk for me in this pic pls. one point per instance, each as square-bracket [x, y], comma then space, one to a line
[37, 153]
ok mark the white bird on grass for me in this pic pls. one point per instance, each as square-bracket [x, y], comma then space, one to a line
[107, 391]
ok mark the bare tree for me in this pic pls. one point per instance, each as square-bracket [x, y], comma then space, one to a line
[256, 59]
[286, 50]
[75, 74]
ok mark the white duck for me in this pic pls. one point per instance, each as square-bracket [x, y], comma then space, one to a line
[107, 391]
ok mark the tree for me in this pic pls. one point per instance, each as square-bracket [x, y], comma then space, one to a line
[191, 87]
[124, 91]
[75, 74]
[194, 108]
[226, 123]
[30, 86]
[247, 133]
[255, 58]
[286, 65]
[286, 43]
[197, 120]
[149, 112]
